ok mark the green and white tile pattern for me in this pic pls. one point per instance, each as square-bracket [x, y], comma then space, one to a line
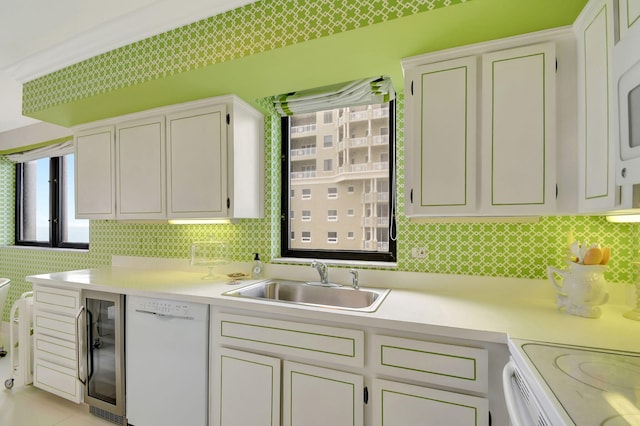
[257, 27]
[486, 249]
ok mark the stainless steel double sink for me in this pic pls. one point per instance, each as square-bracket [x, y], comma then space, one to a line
[313, 294]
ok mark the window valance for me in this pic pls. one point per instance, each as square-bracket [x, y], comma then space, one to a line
[55, 148]
[360, 92]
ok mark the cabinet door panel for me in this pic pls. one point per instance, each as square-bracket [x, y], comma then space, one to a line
[399, 404]
[310, 341]
[454, 366]
[140, 152]
[58, 380]
[95, 174]
[320, 396]
[519, 130]
[443, 138]
[596, 180]
[56, 299]
[197, 160]
[241, 378]
[629, 11]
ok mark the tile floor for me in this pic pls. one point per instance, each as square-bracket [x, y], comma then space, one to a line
[30, 406]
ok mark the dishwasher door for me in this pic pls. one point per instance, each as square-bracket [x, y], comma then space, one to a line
[167, 350]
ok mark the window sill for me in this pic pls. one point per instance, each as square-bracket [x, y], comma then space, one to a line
[56, 249]
[337, 262]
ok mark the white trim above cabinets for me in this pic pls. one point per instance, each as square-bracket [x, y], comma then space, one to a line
[480, 128]
[197, 160]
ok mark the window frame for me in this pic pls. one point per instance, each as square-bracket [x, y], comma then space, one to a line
[56, 208]
[285, 205]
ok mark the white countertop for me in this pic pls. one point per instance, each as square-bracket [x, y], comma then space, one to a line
[477, 308]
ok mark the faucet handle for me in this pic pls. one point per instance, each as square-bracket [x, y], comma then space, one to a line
[354, 278]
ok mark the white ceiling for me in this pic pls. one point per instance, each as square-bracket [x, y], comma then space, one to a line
[40, 36]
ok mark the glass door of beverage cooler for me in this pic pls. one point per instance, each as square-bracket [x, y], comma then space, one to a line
[104, 388]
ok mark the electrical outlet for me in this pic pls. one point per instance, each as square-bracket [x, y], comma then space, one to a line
[419, 252]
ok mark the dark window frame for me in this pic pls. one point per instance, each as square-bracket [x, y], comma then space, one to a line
[56, 208]
[349, 255]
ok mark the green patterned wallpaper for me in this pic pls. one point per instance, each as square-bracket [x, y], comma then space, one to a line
[496, 249]
[486, 249]
[257, 27]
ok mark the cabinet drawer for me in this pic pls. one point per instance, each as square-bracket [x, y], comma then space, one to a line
[55, 325]
[310, 341]
[442, 364]
[57, 379]
[56, 299]
[58, 351]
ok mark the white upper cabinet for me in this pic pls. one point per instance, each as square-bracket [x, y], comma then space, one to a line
[140, 156]
[441, 160]
[594, 30]
[198, 160]
[95, 173]
[629, 15]
[197, 163]
[480, 128]
[518, 130]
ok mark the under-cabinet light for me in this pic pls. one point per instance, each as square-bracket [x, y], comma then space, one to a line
[198, 221]
[624, 218]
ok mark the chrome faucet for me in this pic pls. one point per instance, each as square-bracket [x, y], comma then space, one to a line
[354, 278]
[322, 270]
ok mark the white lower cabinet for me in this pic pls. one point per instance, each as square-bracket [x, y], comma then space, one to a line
[247, 386]
[401, 404]
[271, 372]
[55, 342]
[321, 396]
[461, 369]
[241, 378]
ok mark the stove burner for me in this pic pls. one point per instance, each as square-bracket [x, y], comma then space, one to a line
[601, 371]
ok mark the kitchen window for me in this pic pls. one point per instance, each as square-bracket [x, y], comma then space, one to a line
[356, 159]
[45, 204]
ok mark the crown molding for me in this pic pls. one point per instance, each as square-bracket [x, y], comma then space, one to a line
[146, 22]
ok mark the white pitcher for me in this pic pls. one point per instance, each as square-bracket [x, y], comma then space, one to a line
[582, 289]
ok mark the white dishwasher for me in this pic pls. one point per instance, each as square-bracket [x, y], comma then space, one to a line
[166, 350]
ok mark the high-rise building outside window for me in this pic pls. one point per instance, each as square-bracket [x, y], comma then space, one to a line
[358, 165]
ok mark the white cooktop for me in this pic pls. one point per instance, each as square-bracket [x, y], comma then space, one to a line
[594, 386]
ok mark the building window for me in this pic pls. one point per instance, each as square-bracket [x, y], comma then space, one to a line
[293, 235]
[328, 141]
[328, 117]
[357, 166]
[292, 214]
[293, 193]
[45, 205]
